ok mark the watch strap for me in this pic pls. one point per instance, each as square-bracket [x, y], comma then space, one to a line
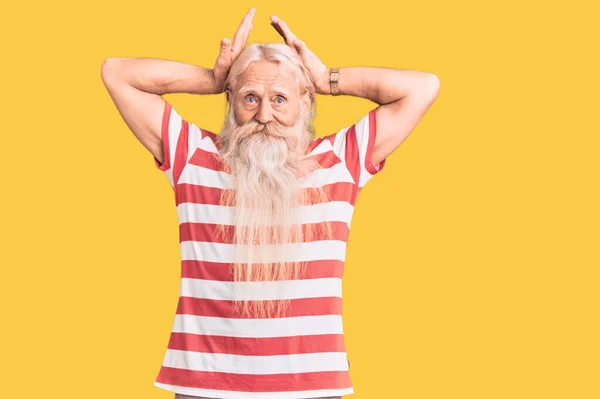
[334, 78]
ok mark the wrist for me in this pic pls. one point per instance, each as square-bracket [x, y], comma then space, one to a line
[214, 79]
[324, 87]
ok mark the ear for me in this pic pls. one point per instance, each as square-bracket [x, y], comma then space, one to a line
[306, 101]
[227, 96]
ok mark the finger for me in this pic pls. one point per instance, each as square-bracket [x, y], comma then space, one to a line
[248, 32]
[247, 35]
[238, 36]
[287, 33]
[250, 21]
[225, 47]
[244, 39]
[223, 62]
[238, 39]
[278, 29]
[224, 58]
[300, 46]
[288, 41]
[275, 23]
[276, 26]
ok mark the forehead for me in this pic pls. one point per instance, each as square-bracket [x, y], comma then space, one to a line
[267, 77]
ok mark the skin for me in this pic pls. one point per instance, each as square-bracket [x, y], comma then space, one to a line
[266, 94]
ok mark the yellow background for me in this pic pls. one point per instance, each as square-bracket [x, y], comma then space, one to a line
[472, 266]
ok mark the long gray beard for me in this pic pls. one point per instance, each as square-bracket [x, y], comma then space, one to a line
[267, 164]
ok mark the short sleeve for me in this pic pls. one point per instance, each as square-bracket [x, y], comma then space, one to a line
[354, 145]
[174, 134]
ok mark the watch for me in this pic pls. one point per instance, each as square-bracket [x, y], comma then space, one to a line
[333, 81]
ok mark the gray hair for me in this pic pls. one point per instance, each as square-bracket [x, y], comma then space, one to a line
[277, 52]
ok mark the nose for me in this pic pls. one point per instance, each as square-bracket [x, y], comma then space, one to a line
[264, 113]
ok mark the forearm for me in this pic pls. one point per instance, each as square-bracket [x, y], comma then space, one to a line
[383, 85]
[158, 76]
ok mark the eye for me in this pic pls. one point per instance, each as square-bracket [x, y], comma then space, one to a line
[250, 97]
[279, 102]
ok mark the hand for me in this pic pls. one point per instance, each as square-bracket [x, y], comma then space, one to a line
[230, 52]
[318, 71]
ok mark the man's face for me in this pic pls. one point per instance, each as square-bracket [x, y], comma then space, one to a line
[266, 94]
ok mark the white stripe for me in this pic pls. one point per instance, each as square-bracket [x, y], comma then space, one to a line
[261, 290]
[258, 328]
[291, 252]
[339, 144]
[240, 364]
[199, 176]
[208, 144]
[195, 140]
[362, 136]
[334, 211]
[324, 146]
[169, 174]
[338, 173]
[174, 130]
[217, 393]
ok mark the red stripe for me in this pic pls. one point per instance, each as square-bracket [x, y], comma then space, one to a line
[221, 271]
[207, 232]
[323, 306]
[314, 144]
[211, 160]
[207, 133]
[197, 194]
[254, 382]
[207, 159]
[257, 346]
[181, 151]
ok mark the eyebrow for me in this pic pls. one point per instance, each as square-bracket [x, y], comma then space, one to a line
[278, 90]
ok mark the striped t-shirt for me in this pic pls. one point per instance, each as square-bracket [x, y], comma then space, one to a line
[301, 355]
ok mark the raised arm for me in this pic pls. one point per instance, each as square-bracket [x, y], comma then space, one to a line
[403, 96]
[137, 84]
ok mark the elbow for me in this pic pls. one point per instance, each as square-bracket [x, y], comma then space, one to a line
[111, 69]
[432, 86]
[106, 68]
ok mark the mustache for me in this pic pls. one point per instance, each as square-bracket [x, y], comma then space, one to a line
[238, 140]
[272, 128]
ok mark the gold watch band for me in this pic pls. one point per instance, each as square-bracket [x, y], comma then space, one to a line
[333, 81]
